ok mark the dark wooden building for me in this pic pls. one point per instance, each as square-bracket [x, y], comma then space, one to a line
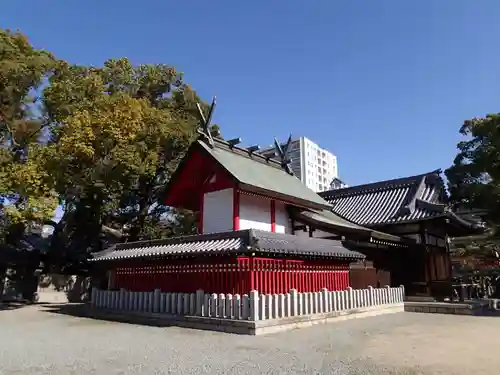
[414, 208]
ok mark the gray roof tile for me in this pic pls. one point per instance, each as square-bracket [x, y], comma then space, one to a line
[393, 201]
[326, 219]
[243, 241]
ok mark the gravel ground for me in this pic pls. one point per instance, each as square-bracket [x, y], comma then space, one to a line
[36, 341]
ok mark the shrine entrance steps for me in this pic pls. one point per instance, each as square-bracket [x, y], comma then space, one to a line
[476, 308]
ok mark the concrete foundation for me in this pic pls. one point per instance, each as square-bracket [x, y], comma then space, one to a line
[240, 326]
[465, 308]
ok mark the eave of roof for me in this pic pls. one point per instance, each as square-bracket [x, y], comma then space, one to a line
[402, 200]
[329, 221]
[383, 185]
[244, 241]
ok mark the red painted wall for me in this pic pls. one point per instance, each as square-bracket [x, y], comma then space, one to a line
[234, 275]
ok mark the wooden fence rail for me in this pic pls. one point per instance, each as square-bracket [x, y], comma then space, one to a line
[253, 306]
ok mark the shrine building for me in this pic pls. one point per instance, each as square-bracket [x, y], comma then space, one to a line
[254, 230]
[414, 208]
[260, 228]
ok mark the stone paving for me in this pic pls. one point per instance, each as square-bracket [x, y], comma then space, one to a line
[34, 340]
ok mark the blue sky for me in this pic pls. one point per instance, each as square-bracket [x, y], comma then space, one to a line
[384, 85]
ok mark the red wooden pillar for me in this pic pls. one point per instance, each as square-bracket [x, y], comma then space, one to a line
[266, 276]
[314, 272]
[303, 277]
[261, 277]
[251, 267]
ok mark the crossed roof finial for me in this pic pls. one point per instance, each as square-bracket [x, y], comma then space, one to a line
[205, 122]
[284, 153]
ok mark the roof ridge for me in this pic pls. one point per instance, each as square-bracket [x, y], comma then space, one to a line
[243, 152]
[184, 239]
[379, 185]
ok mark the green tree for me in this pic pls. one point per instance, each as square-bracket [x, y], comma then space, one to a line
[118, 133]
[474, 181]
[474, 177]
[26, 195]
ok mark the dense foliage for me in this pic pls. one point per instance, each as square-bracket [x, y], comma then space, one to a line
[25, 192]
[474, 180]
[102, 142]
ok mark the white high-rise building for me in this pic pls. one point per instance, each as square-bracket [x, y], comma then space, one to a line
[313, 165]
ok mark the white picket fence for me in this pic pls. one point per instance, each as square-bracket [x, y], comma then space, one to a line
[253, 306]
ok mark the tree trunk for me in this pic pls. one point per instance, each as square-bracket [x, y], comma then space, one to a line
[3, 271]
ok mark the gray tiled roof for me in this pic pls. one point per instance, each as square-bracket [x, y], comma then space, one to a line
[257, 173]
[326, 219]
[243, 241]
[394, 201]
[139, 250]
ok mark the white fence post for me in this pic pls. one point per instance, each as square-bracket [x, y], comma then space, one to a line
[206, 304]
[110, 299]
[237, 306]
[247, 307]
[388, 294]
[300, 303]
[281, 307]
[349, 298]
[303, 304]
[192, 303]
[294, 302]
[371, 297]
[262, 307]
[229, 306]
[355, 299]
[140, 301]
[316, 302]
[173, 303]
[269, 306]
[221, 305]
[288, 304]
[213, 305]
[180, 303]
[254, 305]
[156, 300]
[144, 300]
[325, 300]
[307, 303]
[340, 299]
[275, 309]
[131, 301]
[199, 302]
[163, 297]
[185, 299]
[121, 299]
[333, 297]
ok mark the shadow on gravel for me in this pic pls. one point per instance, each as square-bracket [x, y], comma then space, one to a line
[82, 310]
[72, 309]
[13, 305]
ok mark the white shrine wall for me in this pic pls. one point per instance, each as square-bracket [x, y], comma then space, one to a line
[252, 212]
[255, 212]
[282, 219]
[218, 211]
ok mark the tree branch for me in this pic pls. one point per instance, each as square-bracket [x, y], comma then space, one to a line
[112, 232]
